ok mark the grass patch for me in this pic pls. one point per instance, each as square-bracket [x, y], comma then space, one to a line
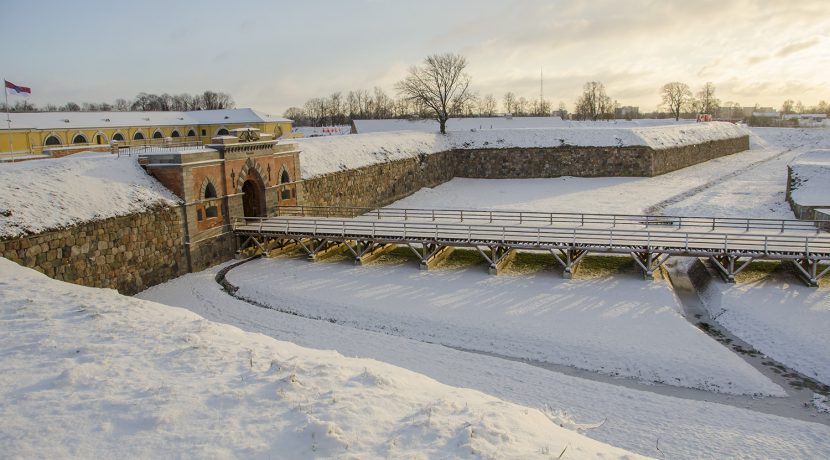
[593, 267]
[525, 263]
[460, 258]
[766, 269]
[397, 255]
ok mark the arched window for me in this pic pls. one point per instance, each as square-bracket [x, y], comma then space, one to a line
[222, 132]
[210, 191]
[79, 139]
[175, 133]
[285, 193]
[52, 140]
[138, 136]
[158, 135]
[118, 137]
[191, 133]
[211, 210]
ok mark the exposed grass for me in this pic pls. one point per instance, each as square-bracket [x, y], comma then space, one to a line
[397, 255]
[525, 263]
[594, 267]
[460, 258]
[761, 270]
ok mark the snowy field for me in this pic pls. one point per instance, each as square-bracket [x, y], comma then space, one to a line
[88, 373]
[533, 362]
[48, 194]
[622, 327]
[399, 315]
[487, 123]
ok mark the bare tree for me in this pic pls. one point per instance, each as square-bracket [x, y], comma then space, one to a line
[706, 100]
[676, 96]
[439, 82]
[562, 111]
[487, 106]
[509, 102]
[788, 106]
[594, 103]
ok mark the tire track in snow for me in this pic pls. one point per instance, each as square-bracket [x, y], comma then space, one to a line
[658, 208]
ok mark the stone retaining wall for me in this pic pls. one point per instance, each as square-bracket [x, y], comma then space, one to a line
[128, 253]
[381, 184]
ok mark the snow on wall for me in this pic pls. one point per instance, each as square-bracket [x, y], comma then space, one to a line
[87, 372]
[484, 123]
[811, 178]
[320, 156]
[49, 194]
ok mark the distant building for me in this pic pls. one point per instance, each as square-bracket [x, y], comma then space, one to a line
[43, 131]
[627, 111]
[747, 111]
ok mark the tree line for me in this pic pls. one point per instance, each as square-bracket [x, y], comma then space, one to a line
[208, 100]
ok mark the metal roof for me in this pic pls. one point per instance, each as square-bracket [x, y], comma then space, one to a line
[80, 120]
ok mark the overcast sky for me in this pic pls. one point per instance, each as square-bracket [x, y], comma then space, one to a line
[271, 55]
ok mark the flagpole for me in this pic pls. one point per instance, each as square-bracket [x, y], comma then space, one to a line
[8, 119]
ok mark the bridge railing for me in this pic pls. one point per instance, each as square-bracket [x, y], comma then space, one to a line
[732, 224]
[677, 241]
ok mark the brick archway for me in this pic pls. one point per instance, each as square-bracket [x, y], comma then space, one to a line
[251, 168]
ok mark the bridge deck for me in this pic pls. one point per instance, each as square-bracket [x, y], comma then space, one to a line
[730, 243]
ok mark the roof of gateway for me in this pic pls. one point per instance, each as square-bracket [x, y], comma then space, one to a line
[76, 120]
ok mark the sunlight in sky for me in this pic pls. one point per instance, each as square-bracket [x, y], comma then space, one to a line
[273, 55]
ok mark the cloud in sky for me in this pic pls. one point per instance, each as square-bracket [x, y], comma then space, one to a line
[271, 55]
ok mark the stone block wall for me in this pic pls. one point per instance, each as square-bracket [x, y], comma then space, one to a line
[128, 253]
[526, 163]
[672, 159]
[377, 185]
[384, 183]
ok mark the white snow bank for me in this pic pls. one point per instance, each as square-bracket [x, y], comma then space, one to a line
[811, 178]
[88, 373]
[503, 122]
[320, 156]
[620, 327]
[48, 194]
[780, 317]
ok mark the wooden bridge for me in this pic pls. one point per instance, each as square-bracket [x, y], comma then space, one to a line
[730, 243]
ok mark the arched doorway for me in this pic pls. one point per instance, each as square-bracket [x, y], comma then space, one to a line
[253, 199]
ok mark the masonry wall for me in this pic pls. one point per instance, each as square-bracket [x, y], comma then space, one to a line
[668, 160]
[382, 184]
[128, 253]
[379, 184]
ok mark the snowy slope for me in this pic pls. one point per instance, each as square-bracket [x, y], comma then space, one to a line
[89, 373]
[780, 317]
[48, 194]
[320, 156]
[811, 177]
[620, 327]
[483, 123]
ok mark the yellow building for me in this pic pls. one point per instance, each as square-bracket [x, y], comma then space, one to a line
[35, 133]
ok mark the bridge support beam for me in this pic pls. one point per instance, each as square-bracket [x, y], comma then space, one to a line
[317, 248]
[729, 265]
[430, 254]
[569, 259]
[807, 270]
[497, 258]
[649, 262]
[366, 251]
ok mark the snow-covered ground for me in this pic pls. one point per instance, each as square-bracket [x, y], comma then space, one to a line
[89, 373]
[811, 178]
[503, 122]
[624, 327]
[780, 317]
[323, 155]
[48, 194]
[165, 374]
[637, 420]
